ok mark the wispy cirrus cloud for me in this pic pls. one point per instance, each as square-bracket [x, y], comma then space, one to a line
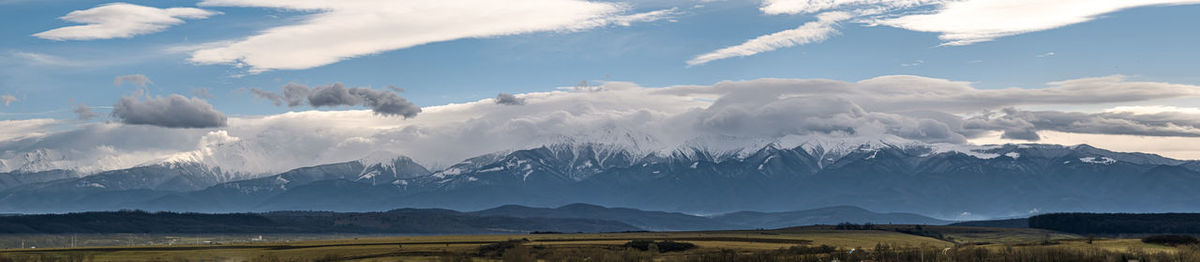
[340, 30]
[811, 32]
[121, 20]
[957, 22]
[139, 80]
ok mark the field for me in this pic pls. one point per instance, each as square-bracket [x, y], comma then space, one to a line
[818, 243]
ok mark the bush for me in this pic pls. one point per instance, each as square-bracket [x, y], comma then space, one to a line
[800, 250]
[1171, 240]
[497, 249]
[661, 246]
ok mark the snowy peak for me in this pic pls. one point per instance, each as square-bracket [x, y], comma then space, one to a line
[557, 163]
[386, 167]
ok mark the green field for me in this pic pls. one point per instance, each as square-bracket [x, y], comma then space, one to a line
[789, 244]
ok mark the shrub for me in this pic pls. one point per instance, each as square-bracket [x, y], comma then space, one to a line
[497, 249]
[661, 246]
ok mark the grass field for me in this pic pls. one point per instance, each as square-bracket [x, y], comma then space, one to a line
[604, 246]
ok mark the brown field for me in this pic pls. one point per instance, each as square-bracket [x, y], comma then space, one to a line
[752, 245]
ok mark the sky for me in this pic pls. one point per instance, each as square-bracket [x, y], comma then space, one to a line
[107, 85]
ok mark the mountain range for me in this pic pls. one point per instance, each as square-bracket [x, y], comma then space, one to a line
[939, 180]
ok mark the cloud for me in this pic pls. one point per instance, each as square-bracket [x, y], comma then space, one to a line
[134, 79]
[335, 95]
[8, 99]
[914, 93]
[509, 99]
[726, 117]
[1024, 125]
[1047, 54]
[293, 95]
[914, 63]
[958, 22]
[339, 30]
[1154, 109]
[45, 59]
[121, 20]
[811, 32]
[83, 112]
[173, 111]
[16, 129]
[791, 7]
[201, 93]
[973, 21]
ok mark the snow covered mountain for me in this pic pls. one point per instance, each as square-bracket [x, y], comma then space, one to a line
[942, 180]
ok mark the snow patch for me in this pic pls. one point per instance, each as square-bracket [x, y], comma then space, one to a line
[1102, 160]
[1013, 155]
[979, 152]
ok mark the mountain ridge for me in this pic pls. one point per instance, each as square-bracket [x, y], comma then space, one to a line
[880, 176]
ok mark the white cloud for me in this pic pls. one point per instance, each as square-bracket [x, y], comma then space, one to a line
[25, 128]
[1147, 110]
[726, 114]
[121, 20]
[44, 59]
[8, 99]
[973, 21]
[350, 28]
[914, 63]
[1047, 54]
[811, 32]
[791, 7]
[960, 22]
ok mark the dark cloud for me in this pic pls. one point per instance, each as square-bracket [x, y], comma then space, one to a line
[397, 89]
[334, 95]
[83, 112]
[135, 79]
[385, 103]
[509, 99]
[174, 111]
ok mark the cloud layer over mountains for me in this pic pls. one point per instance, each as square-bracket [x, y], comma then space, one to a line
[726, 115]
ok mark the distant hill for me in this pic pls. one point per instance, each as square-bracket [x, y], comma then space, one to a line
[400, 221]
[503, 219]
[1000, 223]
[656, 220]
[648, 220]
[822, 216]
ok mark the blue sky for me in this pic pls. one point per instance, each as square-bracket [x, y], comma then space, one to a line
[1153, 43]
[1114, 74]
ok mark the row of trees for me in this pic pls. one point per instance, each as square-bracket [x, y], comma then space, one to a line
[1120, 223]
